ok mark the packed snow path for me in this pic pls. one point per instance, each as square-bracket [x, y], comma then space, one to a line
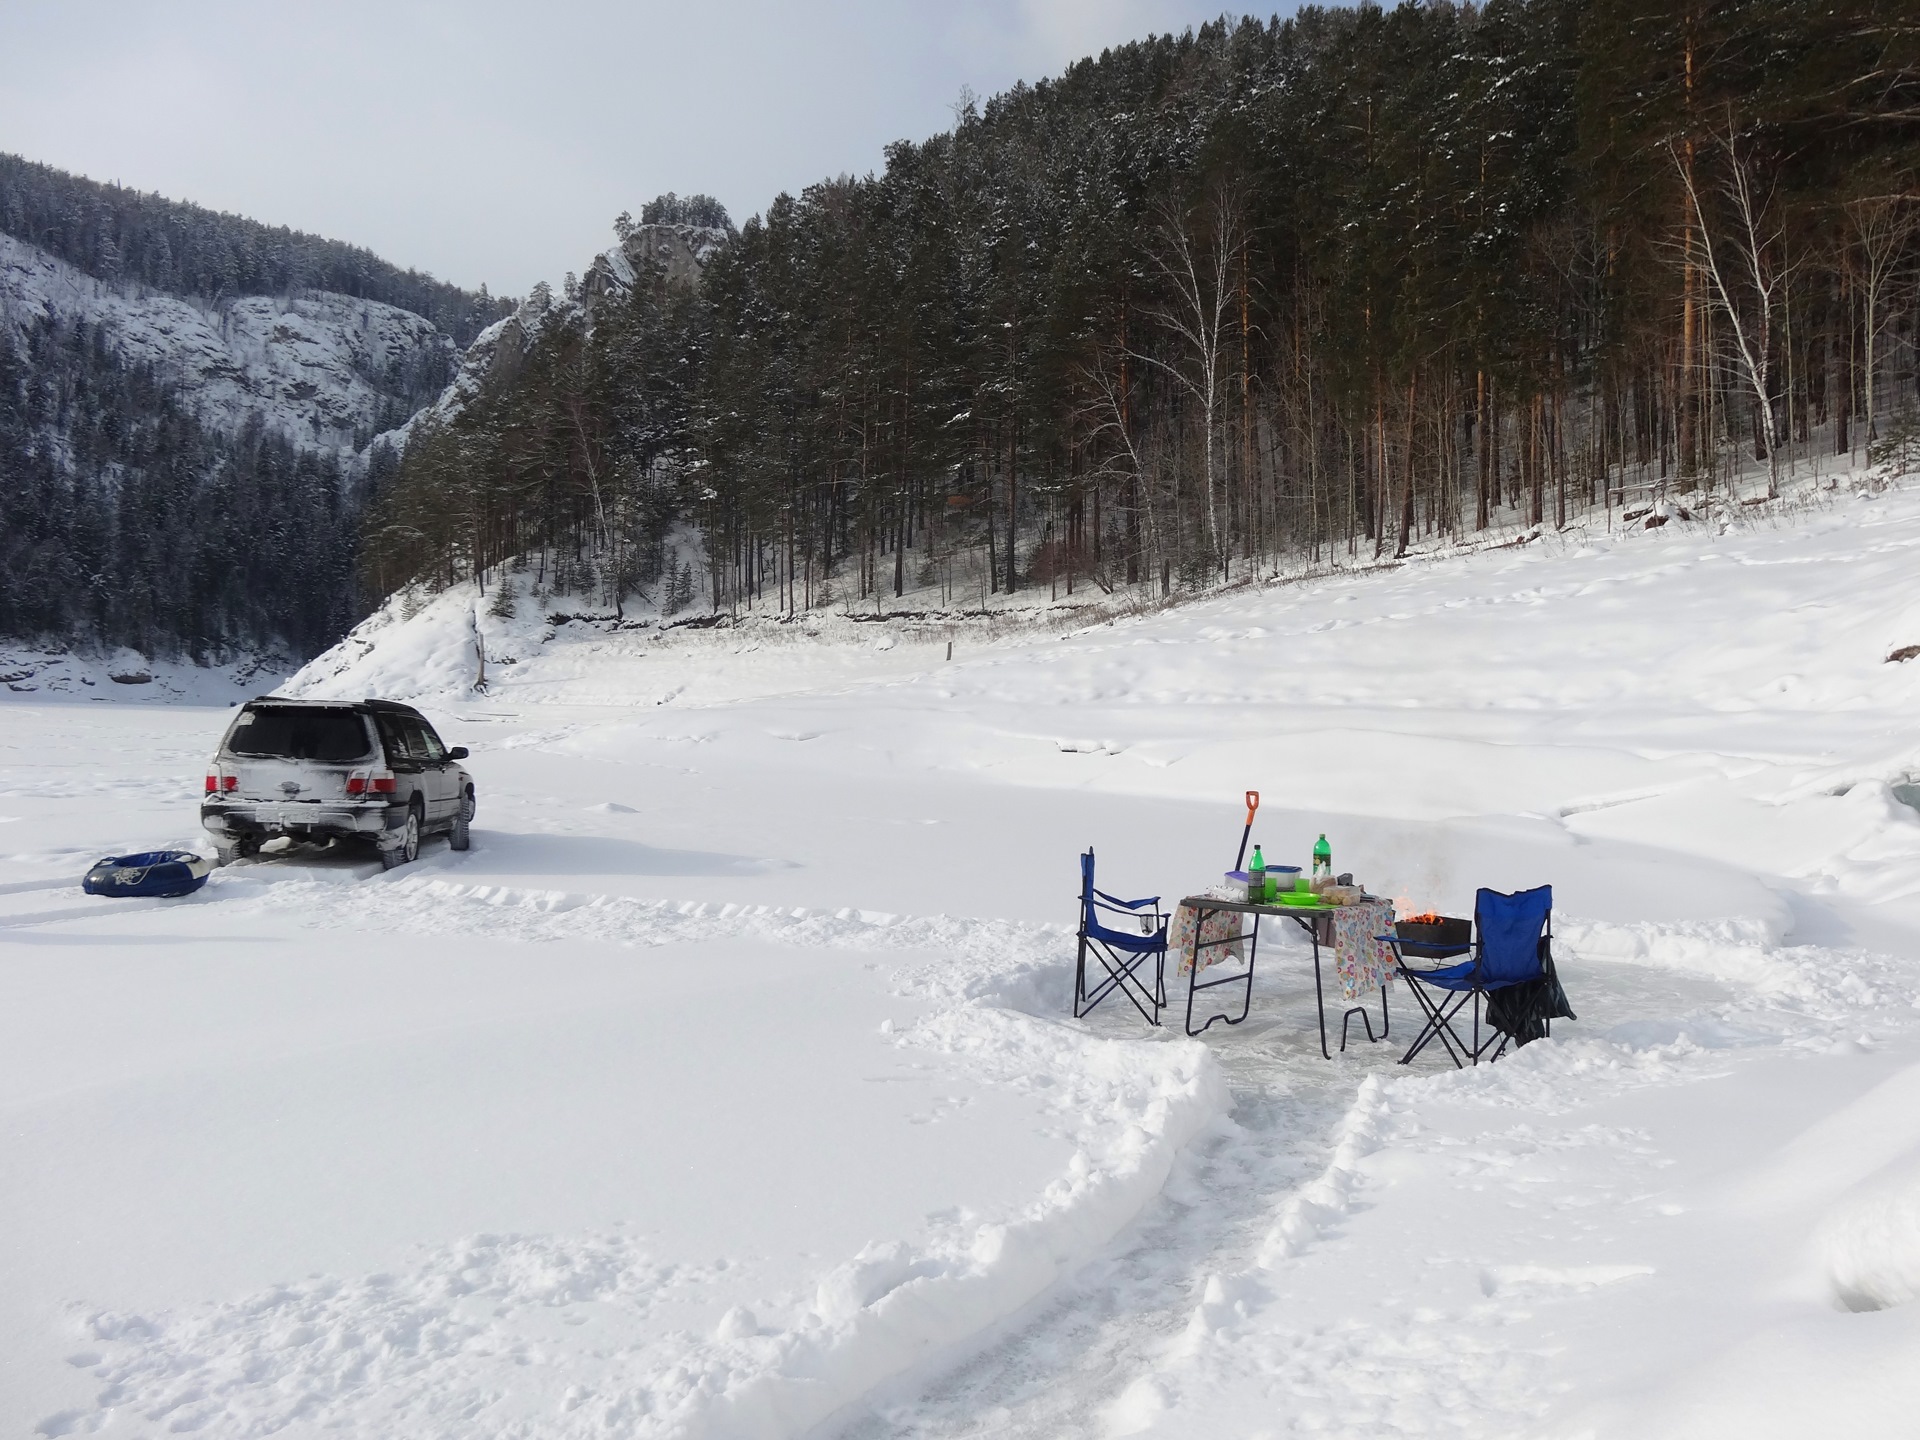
[724, 1087]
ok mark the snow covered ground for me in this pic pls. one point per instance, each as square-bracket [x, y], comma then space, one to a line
[724, 1087]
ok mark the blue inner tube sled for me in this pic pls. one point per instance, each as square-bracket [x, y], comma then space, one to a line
[157, 872]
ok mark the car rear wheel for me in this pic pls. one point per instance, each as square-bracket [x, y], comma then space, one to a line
[228, 851]
[408, 850]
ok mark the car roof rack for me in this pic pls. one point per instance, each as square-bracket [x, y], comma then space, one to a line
[393, 707]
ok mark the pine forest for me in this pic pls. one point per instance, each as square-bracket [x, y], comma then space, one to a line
[1300, 291]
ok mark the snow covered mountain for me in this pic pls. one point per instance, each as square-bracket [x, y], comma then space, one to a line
[187, 462]
[188, 402]
[322, 370]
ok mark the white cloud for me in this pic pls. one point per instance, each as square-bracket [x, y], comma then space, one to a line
[492, 141]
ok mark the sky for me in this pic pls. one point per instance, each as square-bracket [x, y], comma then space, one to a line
[492, 142]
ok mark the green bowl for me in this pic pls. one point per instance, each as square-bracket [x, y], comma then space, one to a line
[1298, 897]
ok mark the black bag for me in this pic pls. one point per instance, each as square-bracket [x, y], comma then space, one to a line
[1522, 1011]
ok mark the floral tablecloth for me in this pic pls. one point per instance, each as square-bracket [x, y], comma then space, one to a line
[1220, 925]
[1363, 962]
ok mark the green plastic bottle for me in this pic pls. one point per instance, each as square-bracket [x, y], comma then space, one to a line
[1257, 876]
[1322, 862]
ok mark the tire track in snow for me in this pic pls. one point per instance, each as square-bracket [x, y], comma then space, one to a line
[1056, 1372]
[1172, 1312]
[1014, 964]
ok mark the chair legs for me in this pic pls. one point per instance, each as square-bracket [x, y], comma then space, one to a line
[1122, 974]
[1440, 1017]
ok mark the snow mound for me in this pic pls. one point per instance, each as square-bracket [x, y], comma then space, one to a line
[1870, 1243]
[421, 645]
[407, 649]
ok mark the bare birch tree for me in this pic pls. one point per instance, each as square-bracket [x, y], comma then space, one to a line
[1881, 225]
[1754, 237]
[1196, 262]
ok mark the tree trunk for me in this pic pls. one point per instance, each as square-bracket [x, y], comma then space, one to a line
[1406, 479]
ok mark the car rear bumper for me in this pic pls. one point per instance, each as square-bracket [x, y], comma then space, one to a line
[302, 819]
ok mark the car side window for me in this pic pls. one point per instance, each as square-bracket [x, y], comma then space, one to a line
[393, 734]
[426, 744]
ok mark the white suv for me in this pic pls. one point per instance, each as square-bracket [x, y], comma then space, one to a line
[359, 769]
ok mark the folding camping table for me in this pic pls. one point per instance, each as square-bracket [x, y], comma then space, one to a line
[1315, 920]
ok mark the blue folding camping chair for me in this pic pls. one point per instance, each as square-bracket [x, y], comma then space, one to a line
[1512, 946]
[1121, 953]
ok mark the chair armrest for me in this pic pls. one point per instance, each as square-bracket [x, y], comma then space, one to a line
[1434, 962]
[1153, 900]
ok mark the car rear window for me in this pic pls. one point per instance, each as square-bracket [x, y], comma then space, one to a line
[300, 732]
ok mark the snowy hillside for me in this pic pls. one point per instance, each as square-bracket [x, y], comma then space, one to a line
[185, 471]
[493, 359]
[320, 369]
[726, 1086]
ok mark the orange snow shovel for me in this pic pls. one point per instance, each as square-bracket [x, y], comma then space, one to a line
[1253, 804]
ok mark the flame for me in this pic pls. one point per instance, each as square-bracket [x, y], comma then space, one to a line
[1427, 919]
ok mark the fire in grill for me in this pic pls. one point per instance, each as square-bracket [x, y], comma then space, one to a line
[1433, 935]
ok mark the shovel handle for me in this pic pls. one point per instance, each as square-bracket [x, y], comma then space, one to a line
[1253, 804]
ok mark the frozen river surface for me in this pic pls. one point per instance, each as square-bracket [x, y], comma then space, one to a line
[726, 1086]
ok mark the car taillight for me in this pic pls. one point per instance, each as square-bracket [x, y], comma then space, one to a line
[370, 782]
[221, 783]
